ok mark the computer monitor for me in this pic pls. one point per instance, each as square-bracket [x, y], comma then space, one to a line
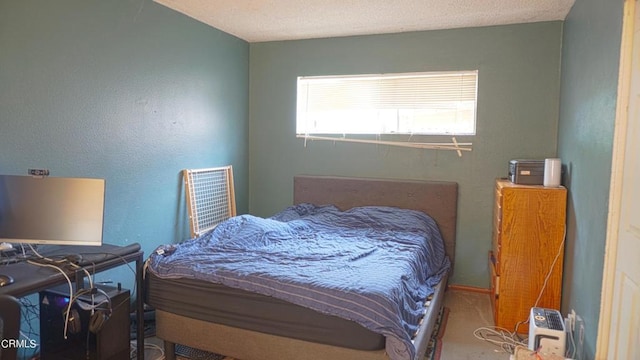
[51, 210]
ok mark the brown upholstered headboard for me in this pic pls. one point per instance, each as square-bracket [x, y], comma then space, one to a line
[438, 199]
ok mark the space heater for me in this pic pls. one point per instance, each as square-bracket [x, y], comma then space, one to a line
[547, 333]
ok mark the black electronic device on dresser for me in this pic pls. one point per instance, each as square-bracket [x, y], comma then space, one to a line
[526, 171]
[101, 334]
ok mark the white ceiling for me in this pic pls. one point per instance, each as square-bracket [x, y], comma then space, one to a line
[269, 20]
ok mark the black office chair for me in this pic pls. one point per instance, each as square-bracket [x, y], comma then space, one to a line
[10, 318]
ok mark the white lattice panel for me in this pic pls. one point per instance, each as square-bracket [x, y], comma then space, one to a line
[210, 197]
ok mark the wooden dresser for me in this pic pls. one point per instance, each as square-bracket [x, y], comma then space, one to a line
[528, 231]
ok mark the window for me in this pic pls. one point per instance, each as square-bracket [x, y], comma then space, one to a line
[428, 103]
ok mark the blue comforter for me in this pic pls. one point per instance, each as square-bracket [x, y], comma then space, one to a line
[372, 265]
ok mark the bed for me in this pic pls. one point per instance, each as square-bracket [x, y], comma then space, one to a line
[249, 325]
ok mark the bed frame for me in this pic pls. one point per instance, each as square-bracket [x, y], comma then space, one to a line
[438, 199]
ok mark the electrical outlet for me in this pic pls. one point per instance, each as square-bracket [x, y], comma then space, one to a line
[572, 320]
[578, 336]
[575, 336]
[575, 332]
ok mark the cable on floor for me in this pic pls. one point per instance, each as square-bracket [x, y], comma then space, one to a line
[500, 337]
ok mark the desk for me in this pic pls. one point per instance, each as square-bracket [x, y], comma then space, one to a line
[30, 279]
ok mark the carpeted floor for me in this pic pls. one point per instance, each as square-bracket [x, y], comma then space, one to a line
[469, 312]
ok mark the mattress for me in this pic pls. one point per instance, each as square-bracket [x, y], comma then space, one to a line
[251, 311]
[372, 265]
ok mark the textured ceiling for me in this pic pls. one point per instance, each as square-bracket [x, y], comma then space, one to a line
[269, 20]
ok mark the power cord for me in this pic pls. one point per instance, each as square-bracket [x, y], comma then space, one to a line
[134, 292]
[508, 340]
[43, 261]
[30, 314]
[500, 337]
[546, 279]
[68, 311]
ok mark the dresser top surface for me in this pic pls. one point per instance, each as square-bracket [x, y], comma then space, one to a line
[504, 183]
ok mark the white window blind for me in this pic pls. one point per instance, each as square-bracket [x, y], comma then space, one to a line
[431, 103]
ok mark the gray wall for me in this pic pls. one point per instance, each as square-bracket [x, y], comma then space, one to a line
[128, 91]
[590, 62]
[519, 76]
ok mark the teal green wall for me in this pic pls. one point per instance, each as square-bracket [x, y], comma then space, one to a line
[133, 92]
[129, 91]
[590, 63]
[519, 77]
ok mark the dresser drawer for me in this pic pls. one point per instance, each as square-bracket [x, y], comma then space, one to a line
[495, 285]
[497, 226]
[496, 248]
